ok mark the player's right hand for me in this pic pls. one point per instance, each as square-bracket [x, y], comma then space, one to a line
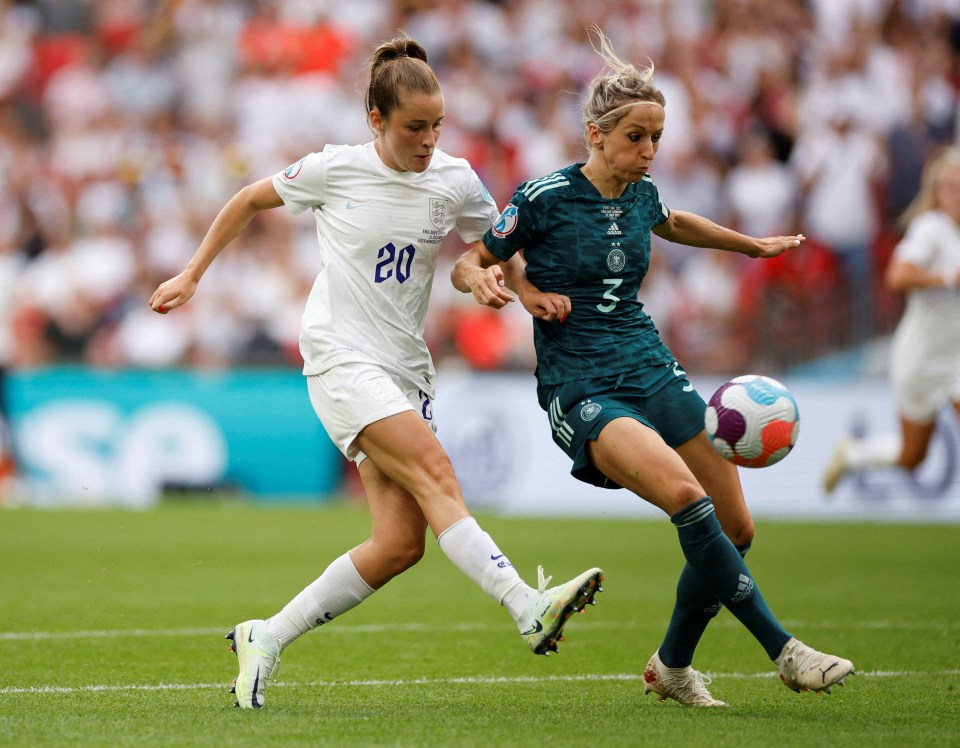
[488, 287]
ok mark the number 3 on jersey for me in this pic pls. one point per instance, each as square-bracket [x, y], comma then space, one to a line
[614, 284]
[394, 263]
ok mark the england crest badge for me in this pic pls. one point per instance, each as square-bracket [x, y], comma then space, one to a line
[438, 212]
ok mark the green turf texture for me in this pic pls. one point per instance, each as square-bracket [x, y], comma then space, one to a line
[430, 660]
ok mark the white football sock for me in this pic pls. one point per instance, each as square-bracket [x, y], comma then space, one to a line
[334, 592]
[873, 452]
[476, 555]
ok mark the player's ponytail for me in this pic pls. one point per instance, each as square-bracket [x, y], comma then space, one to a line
[620, 86]
[398, 66]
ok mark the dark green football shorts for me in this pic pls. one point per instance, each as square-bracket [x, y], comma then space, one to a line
[660, 397]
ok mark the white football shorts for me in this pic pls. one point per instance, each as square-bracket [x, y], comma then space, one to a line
[924, 381]
[350, 396]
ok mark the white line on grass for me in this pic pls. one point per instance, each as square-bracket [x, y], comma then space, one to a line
[380, 628]
[115, 634]
[473, 680]
[375, 628]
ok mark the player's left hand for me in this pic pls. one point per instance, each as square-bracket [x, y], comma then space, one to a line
[772, 246]
[549, 307]
[173, 293]
[489, 288]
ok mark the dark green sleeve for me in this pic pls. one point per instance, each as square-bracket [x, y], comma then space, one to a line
[515, 229]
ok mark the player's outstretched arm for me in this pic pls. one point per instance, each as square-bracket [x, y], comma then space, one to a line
[231, 220]
[902, 276]
[696, 231]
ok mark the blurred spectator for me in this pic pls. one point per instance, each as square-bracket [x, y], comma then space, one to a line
[760, 191]
[18, 28]
[840, 167]
[694, 180]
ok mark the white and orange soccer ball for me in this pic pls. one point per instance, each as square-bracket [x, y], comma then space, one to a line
[753, 421]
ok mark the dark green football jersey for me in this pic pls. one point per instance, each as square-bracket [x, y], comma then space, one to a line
[596, 251]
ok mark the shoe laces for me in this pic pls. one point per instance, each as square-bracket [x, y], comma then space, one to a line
[697, 683]
[542, 581]
[689, 687]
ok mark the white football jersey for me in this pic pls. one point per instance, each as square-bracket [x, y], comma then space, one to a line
[379, 231]
[932, 317]
[925, 354]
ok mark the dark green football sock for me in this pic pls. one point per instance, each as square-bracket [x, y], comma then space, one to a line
[693, 610]
[715, 560]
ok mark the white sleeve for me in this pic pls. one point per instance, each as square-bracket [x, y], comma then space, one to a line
[478, 212]
[302, 185]
[919, 244]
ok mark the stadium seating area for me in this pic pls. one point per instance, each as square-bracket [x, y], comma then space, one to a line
[126, 124]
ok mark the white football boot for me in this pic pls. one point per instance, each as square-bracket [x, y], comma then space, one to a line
[685, 685]
[803, 668]
[259, 657]
[541, 624]
[838, 466]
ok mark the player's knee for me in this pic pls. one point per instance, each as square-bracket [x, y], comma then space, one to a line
[687, 493]
[401, 556]
[742, 533]
[436, 475]
[433, 462]
[410, 556]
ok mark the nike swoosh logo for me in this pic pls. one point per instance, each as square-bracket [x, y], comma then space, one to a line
[250, 637]
[253, 694]
[352, 205]
[535, 630]
[494, 558]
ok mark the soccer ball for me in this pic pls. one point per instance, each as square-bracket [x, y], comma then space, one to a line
[753, 421]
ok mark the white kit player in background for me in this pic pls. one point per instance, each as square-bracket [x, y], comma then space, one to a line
[381, 211]
[925, 355]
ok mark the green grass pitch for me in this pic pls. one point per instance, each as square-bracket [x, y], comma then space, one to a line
[112, 625]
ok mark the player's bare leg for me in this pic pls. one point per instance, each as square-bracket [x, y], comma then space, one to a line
[397, 530]
[915, 444]
[407, 452]
[906, 452]
[636, 457]
[395, 544]
[721, 482]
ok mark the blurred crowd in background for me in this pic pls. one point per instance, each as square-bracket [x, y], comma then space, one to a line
[125, 125]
